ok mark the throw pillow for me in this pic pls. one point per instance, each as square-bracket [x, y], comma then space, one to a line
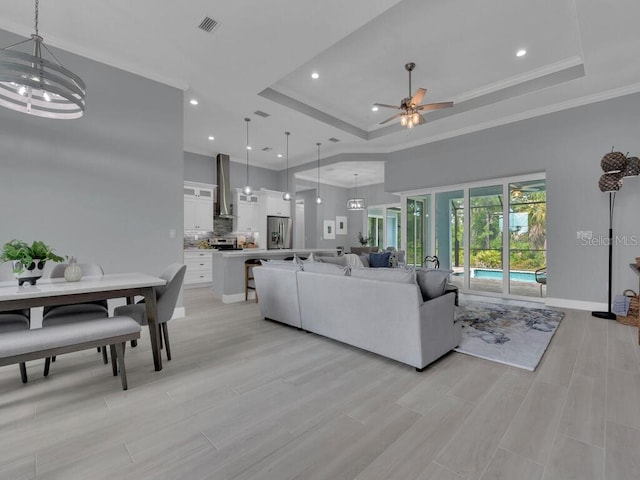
[387, 275]
[310, 258]
[432, 282]
[353, 260]
[321, 267]
[379, 260]
[364, 258]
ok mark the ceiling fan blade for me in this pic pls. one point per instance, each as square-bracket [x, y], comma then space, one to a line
[390, 118]
[434, 106]
[386, 105]
[418, 96]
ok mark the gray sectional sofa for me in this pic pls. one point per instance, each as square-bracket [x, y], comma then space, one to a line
[380, 312]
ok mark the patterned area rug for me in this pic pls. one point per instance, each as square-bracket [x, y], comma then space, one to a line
[509, 334]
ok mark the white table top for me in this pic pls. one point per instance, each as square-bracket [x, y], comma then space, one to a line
[49, 287]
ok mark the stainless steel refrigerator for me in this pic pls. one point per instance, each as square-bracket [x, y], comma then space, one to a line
[278, 232]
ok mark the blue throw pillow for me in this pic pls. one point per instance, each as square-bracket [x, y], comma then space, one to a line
[379, 260]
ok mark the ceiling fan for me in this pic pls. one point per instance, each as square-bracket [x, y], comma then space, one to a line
[410, 106]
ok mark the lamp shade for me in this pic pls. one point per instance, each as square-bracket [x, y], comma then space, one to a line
[614, 162]
[633, 167]
[610, 182]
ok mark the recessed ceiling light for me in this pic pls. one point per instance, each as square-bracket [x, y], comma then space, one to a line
[521, 53]
[248, 147]
[211, 137]
[315, 75]
[374, 108]
[279, 155]
[193, 101]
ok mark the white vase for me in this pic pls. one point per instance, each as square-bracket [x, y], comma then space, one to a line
[30, 273]
[73, 272]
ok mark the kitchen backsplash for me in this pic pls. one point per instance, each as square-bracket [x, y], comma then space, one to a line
[221, 227]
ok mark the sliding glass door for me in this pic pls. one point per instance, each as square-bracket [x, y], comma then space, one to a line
[485, 238]
[492, 235]
[418, 229]
[384, 226]
[449, 227]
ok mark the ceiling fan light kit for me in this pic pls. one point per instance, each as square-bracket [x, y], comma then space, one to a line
[410, 106]
[32, 84]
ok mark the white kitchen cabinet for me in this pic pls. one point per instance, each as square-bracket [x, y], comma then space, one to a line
[199, 267]
[276, 205]
[198, 206]
[246, 212]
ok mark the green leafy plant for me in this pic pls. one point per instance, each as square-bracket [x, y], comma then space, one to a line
[20, 251]
[364, 241]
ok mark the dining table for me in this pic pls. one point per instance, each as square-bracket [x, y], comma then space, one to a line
[57, 291]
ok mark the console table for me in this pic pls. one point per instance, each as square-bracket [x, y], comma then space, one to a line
[636, 269]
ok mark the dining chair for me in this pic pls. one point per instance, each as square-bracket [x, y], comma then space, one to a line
[166, 298]
[77, 312]
[14, 319]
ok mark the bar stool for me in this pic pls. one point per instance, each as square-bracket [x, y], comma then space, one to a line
[249, 282]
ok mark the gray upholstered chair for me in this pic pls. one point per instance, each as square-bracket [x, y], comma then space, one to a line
[77, 312]
[14, 319]
[166, 297]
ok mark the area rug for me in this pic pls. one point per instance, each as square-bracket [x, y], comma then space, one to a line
[509, 334]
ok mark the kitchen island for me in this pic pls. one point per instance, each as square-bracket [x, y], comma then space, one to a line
[228, 268]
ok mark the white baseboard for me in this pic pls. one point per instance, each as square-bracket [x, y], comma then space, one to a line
[577, 304]
[237, 297]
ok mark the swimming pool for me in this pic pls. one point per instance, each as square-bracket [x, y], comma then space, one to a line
[517, 276]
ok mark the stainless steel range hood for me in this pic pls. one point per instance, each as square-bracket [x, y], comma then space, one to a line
[224, 198]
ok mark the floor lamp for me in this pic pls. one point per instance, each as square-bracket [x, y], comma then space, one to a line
[616, 166]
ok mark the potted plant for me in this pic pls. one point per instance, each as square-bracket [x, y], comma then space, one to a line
[364, 241]
[28, 260]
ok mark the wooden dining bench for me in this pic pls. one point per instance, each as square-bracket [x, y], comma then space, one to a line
[24, 345]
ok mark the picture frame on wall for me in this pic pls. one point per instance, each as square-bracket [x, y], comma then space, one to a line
[341, 225]
[329, 230]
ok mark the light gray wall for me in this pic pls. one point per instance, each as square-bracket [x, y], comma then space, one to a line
[107, 187]
[373, 195]
[310, 217]
[568, 146]
[202, 168]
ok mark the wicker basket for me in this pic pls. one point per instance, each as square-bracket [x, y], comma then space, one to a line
[633, 315]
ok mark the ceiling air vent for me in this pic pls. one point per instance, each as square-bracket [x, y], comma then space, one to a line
[207, 24]
[262, 114]
[267, 149]
[334, 139]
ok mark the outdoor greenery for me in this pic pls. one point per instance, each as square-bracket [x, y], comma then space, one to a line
[18, 250]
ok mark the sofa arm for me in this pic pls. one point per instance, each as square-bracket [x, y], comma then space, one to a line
[438, 332]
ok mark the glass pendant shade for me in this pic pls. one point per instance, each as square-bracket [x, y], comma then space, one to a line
[356, 203]
[247, 190]
[403, 120]
[318, 198]
[286, 195]
[33, 84]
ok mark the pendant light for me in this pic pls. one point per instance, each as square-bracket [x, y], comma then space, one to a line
[286, 195]
[247, 190]
[356, 203]
[318, 198]
[33, 84]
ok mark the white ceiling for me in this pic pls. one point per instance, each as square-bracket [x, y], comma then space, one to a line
[342, 174]
[261, 56]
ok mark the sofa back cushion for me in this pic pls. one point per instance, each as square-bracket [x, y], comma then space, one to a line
[321, 267]
[432, 282]
[386, 274]
[284, 264]
[341, 260]
[378, 260]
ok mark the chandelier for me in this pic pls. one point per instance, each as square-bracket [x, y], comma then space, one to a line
[356, 203]
[33, 84]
